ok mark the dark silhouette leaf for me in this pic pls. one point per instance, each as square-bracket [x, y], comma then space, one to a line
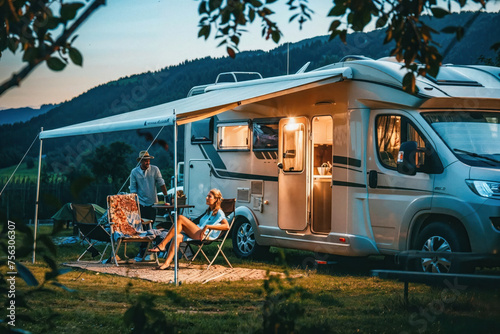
[381, 22]
[276, 35]
[76, 56]
[68, 11]
[55, 64]
[439, 12]
[338, 10]
[335, 24]
[204, 31]
[343, 36]
[30, 54]
[409, 82]
[230, 52]
[53, 22]
[26, 275]
[47, 242]
[496, 46]
[449, 29]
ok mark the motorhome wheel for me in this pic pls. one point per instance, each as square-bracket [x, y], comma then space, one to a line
[441, 237]
[244, 244]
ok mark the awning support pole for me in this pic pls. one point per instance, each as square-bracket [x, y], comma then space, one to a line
[37, 196]
[176, 282]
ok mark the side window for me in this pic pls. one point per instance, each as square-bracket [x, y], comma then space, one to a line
[392, 130]
[294, 135]
[265, 136]
[202, 132]
[234, 136]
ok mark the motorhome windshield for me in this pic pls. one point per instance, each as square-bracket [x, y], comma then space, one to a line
[474, 137]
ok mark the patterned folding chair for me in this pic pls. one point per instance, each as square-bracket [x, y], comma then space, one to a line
[126, 223]
[228, 206]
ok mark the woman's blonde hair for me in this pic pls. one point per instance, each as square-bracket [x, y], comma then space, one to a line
[218, 200]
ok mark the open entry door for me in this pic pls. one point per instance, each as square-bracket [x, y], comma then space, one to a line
[292, 179]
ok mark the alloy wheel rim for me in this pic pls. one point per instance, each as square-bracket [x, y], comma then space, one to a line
[436, 264]
[245, 238]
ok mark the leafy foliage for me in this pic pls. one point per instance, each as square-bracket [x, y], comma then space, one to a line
[143, 317]
[16, 242]
[230, 16]
[28, 26]
[282, 305]
[492, 61]
[414, 38]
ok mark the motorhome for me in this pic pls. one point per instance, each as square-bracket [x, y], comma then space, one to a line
[340, 159]
[354, 165]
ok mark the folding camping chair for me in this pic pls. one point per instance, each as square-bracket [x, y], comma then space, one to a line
[228, 206]
[126, 223]
[90, 230]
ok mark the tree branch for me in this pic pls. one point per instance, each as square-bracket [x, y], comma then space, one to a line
[23, 73]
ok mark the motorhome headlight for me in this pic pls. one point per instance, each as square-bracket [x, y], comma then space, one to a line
[486, 189]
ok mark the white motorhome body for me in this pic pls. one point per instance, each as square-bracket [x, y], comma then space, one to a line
[319, 168]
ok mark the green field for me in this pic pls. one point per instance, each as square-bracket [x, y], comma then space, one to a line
[337, 298]
[21, 172]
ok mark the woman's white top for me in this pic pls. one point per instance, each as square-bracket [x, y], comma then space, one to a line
[209, 219]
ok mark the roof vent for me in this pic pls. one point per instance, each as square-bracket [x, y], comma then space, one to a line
[237, 76]
[449, 77]
[197, 90]
[354, 57]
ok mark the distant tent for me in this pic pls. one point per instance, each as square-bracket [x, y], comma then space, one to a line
[65, 213]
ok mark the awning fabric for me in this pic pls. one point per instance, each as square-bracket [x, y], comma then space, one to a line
[218, 98]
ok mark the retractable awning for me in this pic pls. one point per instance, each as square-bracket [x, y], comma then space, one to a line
[218, 98]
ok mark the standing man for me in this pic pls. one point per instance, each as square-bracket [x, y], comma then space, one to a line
[143, 181]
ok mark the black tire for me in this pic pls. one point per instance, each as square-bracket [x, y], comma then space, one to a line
[244, 244]
[441, 237]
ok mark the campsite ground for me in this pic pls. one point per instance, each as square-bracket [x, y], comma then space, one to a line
[339, 297]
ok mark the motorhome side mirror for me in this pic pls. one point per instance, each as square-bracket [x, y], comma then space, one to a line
[280, 165]
[407, 163]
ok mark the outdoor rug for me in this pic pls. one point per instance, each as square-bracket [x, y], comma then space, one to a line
[187, 274]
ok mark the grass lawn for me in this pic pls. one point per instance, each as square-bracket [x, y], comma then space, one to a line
[334, 298]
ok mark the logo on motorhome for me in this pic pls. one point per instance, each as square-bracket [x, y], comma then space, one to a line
[168, 121]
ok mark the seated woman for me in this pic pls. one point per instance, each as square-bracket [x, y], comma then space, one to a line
[213, 219]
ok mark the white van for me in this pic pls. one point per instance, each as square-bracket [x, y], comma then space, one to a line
[358, 166]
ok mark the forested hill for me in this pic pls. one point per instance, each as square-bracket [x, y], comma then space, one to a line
[148, 89]
[11, 116]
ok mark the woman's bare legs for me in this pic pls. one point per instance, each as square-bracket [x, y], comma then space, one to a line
[183, 225]
[171, 252]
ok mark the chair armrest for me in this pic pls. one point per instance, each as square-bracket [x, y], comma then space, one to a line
[146, 222]
[210, 230]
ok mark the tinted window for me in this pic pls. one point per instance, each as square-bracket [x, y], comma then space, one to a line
[202, 131]
[265, 136]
